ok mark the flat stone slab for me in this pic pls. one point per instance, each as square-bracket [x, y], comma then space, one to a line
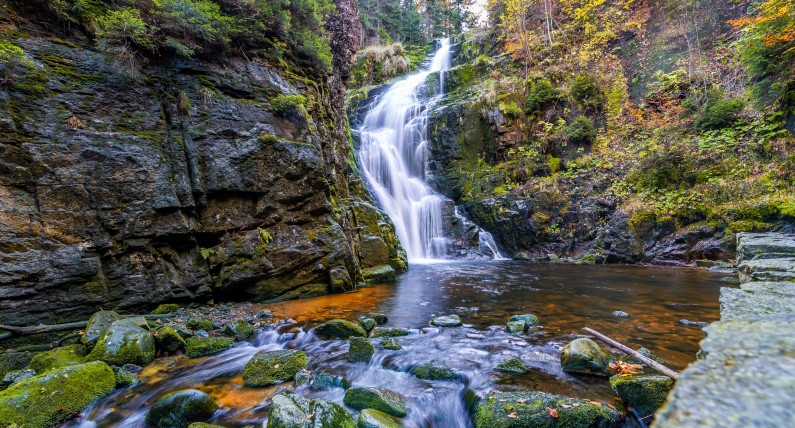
[728, 340]
[751, 246]
[782, 269]
[743, 305]
[785, 288]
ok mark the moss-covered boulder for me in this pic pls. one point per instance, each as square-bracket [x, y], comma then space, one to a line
[338, 328]
[447, 321]
[166, 308]
[51, 398]
[391, 343]
[15, 376]
[645, 393]
[530, 319]
[380, 319]
[389, 332]
[541, 410]
[203, 425]
[516, 327]
[512, 365]
[202, 346]
[302, 377]
[180, 408]
[124, 378]
[13, 360]
[239, 329]
[431, 371]
[274, 367]
[59, 357]
[360, 350]
[324, 379]
[585, 356]
[367, 323]
[133, 321]
[169, 340]
[295, 411]
[385, 400]
[200, 324]
[98, 322]
[371, 418]
[122, 343]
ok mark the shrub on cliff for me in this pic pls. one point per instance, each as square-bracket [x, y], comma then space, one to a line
[581, 131]
[542, 96]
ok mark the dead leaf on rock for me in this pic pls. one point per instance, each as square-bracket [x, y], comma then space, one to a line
[552, 412]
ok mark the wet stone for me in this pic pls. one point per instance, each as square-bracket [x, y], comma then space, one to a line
[274, 367]
[530, 319]
[432, 371]
[360, 350]
[367, 323]
[338, 328]
[532, 409]
[389, 332]
[380, 319]
[391, 343]
[295, 411]
[620, 314]
[382, 399]
[447, 321]
[302, 377]
[512, 365]
[202, 346]
[371, 418]
[179, 409]
[516, 327]
[169, 340]
[645, 393]
[585, 356]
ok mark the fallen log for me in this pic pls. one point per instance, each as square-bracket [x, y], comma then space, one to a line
[12, 330]
[626, 349]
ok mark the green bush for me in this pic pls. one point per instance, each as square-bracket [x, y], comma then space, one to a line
[542, 96]
[587, 93]
[717, 113]
[283, 104]
[581, 131]
[663, 168]
[510, 109]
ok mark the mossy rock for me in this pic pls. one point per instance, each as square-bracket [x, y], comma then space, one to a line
[180, 408]
[431, 371]
[389, 332]
[302, 377]
[274, 367]
[338, 328]
[166, 308]
[512, 365]
[534, 409]
[124, 378]
[295, 411]
[200, 324]
[391, 343]
[360, 350]
[447, 321]
[585, 356]
[133, 321]
[169, 340]
[59, 357]
[368, 324]
[98, 322]
[385, 400]
[14, 360]
[379, 319]
[371, 418]
[122, 344]
[516, 327]
[15, 376]
[240, 329]
[530, 319]
[54, 397]
[202, 346]
[203, 425]
[645, 393]
[324, 379]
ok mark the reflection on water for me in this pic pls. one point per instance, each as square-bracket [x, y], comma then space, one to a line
[566, 298]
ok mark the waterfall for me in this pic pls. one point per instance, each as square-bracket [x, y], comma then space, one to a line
[393, 157]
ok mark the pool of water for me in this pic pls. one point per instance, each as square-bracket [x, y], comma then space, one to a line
[566, 298]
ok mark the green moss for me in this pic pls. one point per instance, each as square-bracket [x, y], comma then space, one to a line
[239, 329]
[54, 397]
[200, 324]
[391, 343]
[340, 328]
[201, 346]
[123, 343]
[268, 139]
[430, 371]
[180, 408]
[371, 418]
[381, 399]
[530, 319]
[13, 360]
[530, 409]
[645, 393]
[166, 308]
[512, 365]
[124, 378]
[274, 367]
[169, 340]
[360, 350]
[389, 332]
[59, 357]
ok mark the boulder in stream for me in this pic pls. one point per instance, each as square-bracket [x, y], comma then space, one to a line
[645, 393]
[360, 350]
[124, 343]
[371, 418]
[447, 321]
[391, 343]
[169, 340]
[59, 357]
[274, 367]
[516, 327]
[431, 371]
[180, 408]
[338, 328]
[542, 410]
[239, 329]
[512, 365]
[530, 319]
[54, 397]
[385, 400]
[201, 346]
[98, 322]
[380, 319]
[389, 332]
[585, 356]
[295, 411]
[368, 324]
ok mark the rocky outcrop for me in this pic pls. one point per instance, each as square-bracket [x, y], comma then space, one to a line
[746, 375]
[196, 181]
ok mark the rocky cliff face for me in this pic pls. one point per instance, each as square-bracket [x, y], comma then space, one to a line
[196, 181]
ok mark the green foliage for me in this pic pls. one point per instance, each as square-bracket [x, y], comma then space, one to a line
[12, 56]
[663, 168]
[542, 96]
[264, 236]
[553, 163]
[283, 104]
[206, 253]
[581, 131]
[587, 93]
[714, 112]
[510, 109]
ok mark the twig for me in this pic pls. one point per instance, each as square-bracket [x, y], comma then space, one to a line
[646, 360]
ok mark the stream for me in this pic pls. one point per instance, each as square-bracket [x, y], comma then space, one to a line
[566, 298]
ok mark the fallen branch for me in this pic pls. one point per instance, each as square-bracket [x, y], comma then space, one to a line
[44, 328]
[626, 349]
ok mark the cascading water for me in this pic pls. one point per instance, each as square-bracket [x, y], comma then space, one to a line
[394, 151]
